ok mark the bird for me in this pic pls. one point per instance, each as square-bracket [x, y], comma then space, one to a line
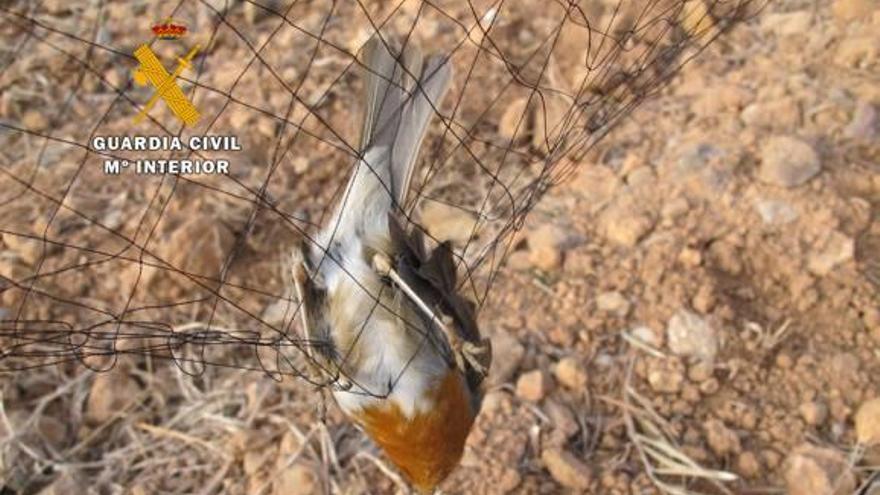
[380, 307]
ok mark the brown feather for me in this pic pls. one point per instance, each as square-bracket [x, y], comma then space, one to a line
[429, 445]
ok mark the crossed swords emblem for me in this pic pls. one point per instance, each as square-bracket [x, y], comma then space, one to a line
[151, 71]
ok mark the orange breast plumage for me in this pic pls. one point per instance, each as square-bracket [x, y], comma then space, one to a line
[427, 446]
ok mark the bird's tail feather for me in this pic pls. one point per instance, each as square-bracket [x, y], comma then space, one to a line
[398, 107]
[397, 111]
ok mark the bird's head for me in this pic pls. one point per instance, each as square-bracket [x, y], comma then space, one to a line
[427, 446]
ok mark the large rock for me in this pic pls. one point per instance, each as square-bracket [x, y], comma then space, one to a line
[546, 244]
[788, 162]
[721, 439]
[858, 51]
[811, 470]
[830, 252]
[775, 211]
[853, 10]
[534, 385]
[571, 373]
[868, 422]
[613, 302]
[510, 352]
[566, 469]
[626, 223]
[200, 246]
[447, 223]
[297, 480]
[787, 23]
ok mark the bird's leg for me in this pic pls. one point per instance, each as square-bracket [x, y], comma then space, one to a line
[461, 349]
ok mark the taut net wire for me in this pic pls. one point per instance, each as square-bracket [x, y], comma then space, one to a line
[193, 268]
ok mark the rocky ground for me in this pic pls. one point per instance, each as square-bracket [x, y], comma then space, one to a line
[697, 310]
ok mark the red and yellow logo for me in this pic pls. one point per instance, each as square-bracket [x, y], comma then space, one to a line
[169, 29]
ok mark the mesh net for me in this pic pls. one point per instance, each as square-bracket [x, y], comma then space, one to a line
[99, 262]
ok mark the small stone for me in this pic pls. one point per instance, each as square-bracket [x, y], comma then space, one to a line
[640, 176]
[514, 124]
[208, 245]
[721, 439]
[788, 162]
[696, 18]
[872, 319]
[853, 10]
[690, 257]
[700, 371]
[566, 469]
[509, 480]
[613, 302]
[564, 422]
[276, 313]
[827, 254]
[648, 336]
[111, 392]
[534, 385]
[693, 157]
[783, 114]
[775, 212]
[788, 23]
[571, 373]
[771, 458]
[495, 400]
[859, 52]
[675, 208]
[811, 470]
[748, 465]
[689, 334]
[447, 223]
[624, 226]
[784, 361]
[704, 300]
[519, 260]
[867, 422]
[54, 432]
[34, 120]
[864, 124]
[545, 258]
[63, 485]
[28, 249]
[814, 413]
[253, 460]
[690, 393]
[546, 245]
[297, 480]
[667, 380]
[506, 345]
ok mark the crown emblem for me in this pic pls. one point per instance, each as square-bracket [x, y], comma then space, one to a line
[169, 29]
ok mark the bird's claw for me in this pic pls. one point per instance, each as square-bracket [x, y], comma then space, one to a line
[476, 355]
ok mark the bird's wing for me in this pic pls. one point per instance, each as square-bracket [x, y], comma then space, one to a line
[433, 278]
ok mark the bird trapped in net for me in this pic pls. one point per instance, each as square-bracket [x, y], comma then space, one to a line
[115, 248]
